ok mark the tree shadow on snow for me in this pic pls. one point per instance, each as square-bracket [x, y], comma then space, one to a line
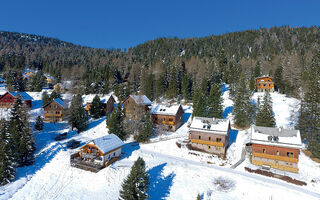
[232, 136]
[36, 104]
[227, 111]
[95, 123]
[185, 117]
[128, 148]
[160, 185]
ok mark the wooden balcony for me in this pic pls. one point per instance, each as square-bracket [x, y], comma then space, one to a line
[167, 122]
[275, 157]
[218, 144]
[52, 115]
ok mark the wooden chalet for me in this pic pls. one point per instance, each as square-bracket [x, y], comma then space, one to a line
[53, 111]
[275, 148]
[134, 105]
[108, 102]
[98, 153]
[169, 116]
[209, 135]
[49, 79]
[264, 84]
[8, 98]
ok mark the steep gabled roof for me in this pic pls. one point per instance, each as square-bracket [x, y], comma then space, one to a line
[24, 96]
[275, 137]
[210, 125]
[57, 100]
[89, 98]
[163, 109]
[108, 143]
[141, 99]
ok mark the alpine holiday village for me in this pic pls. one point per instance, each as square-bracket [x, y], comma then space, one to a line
[234, 115]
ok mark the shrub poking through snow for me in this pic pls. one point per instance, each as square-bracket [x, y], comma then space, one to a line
[224, 184]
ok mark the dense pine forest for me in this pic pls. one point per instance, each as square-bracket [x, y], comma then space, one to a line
[169, 66]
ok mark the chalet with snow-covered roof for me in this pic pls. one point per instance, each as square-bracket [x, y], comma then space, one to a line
[98, 153]
[8, 98]
[53, 111]
[135, 105]
[275, 148]
[264, 84]
[209, 135]
[107, 101]
[169, 116]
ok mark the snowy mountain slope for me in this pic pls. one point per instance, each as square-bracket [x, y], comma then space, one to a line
[175, 173]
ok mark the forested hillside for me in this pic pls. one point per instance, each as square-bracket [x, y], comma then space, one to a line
[169, 66]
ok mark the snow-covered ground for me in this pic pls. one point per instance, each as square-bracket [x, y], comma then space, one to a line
[175, 173]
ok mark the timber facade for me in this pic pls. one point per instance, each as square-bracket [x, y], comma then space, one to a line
[275, 148]
[136, 105]
[264, 84]
[108, 104]
[209, 135]
[168, 116]
[7, 100]
[53, 111]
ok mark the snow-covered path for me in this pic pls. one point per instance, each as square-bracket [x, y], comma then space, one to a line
[262, 179]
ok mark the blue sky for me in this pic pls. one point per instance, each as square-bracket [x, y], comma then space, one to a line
[122, 24]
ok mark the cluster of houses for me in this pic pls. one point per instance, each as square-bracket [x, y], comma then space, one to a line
[269, 147]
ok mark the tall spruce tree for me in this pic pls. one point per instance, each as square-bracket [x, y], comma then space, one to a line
[77, 116]
[96, 109]
[278, 79]
[7, 169]
[147, 130]
[199, 103]
[242, 108]
[45, 98]
[23, 144]
[115, 123]
[215, 108]
[309, 119]
[39, 123]
[264, 115]
[173, 87]
[135, 186]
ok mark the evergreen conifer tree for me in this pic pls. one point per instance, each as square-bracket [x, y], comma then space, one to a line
[39, 123]
[215, 108]
[54, 95]
[264, 115]
[135, 186]
[23, 145]
[309, 119]
[77, 116]
[45, 98]
[115, 123]
[278, 79]
[199, 104]
[96, 109]
[242, 108]
[173, 87]
[198, 197]
[147, 130]
[7, 170]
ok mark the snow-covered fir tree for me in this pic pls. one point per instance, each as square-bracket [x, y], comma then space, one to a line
[147, 130]
[45, 98]
[309, 119]
[135, 186]
[96, 109]
[23, 145]
[7, 169]
[215, 108]
[78, 117]
[242, 108]
[264, 116]
[39, 123]
[115, 123]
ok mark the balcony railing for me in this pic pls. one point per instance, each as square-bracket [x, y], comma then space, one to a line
[218, 144]
[275, 157]
[52, 115]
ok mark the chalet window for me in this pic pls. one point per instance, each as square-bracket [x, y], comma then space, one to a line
[199, 137]
[264, 85]
[170, 119]
[218, 139]
[57, 112]
[5, 98]
[264, 151]
[278, 153]
[209, 147]
[114, 153]
[290, 154]
[209, 138]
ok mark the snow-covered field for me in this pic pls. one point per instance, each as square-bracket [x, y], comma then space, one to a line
[175, 173]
